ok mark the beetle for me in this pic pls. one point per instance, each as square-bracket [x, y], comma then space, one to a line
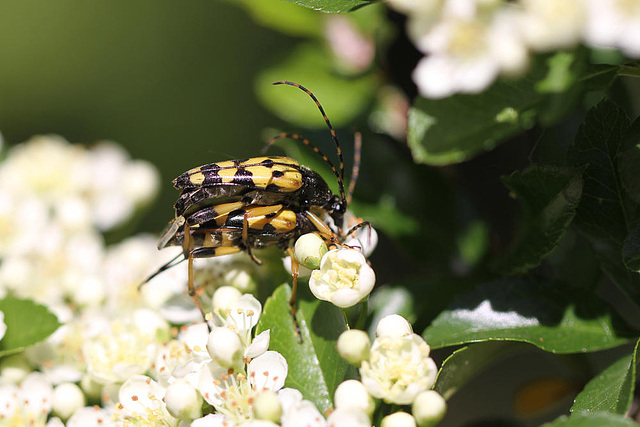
[246, 204]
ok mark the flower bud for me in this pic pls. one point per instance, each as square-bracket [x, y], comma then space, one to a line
[393, 325]
[428, 408]
[182, 400]
[67, 398]
[267, 406]
[398, 419]
[225, 347]
[309, 250]
[14, 368]
[353, 346]
[352, 393]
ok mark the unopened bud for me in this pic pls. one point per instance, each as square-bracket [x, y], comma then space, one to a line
[353, 346]
[428, 408]
[398, 419]
[309, 250]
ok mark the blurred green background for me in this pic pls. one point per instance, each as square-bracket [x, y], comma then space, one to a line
[173, 82]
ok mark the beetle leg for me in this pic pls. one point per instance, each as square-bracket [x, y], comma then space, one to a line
[295, 272]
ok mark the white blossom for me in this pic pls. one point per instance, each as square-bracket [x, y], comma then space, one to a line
[614, 24]
[141, 402]
[344, 278]
[399, 367]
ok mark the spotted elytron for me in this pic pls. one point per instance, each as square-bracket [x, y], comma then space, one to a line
[242, 205]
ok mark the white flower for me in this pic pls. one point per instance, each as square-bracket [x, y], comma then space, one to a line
[344, 278]
[614, 24]
[399, 367]
[232, 394]
[91, 416]
[127, 348]
[141, 403]
[467, 50]
[302, 413]
[29, 403]
[552, 24]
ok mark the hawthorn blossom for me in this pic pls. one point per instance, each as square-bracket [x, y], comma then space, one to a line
[399, 366]
[344, 278]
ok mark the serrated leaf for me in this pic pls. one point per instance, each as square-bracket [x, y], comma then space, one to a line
[315, 367]
[612, 389]
[465, 363]
[545, 314]
[27, 323]
[606, 212]
[332, 6]
[456, 128]
[583, 419]
[343, 99]
[549, 196]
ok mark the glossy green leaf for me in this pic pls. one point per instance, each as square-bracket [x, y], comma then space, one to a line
[612, 389]
[315, 367]
[456, 128]
[342, 99]
[333, 6]
[606, 213]
[465, 363]
[585, 419]
[545, 314]
[549, 196]
[27, 323]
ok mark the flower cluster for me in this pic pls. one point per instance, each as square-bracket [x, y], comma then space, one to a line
[468, 43]
[121, 356]
[397, 369]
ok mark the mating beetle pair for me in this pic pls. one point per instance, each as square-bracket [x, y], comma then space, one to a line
[241, 205]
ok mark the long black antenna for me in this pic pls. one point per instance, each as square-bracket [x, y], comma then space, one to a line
[334, 137]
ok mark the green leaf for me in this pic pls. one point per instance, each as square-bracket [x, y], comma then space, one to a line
[315, 367]
[612, 390]
[456, 128]
[342, 99]
[628, 161]
[288, 18]
[27, 323]
[584, 419]
[545, 314]
[332, 6]
[631, 250]
[465, 363]
[549, 196]
[606, 213]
